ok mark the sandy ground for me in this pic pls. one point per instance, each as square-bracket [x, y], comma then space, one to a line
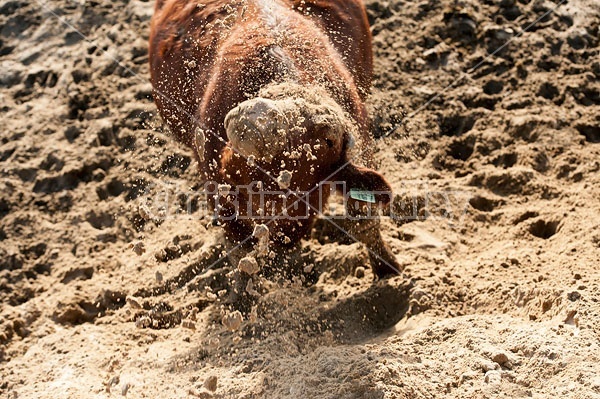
[500, 150]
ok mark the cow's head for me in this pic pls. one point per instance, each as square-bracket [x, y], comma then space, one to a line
[301, 137]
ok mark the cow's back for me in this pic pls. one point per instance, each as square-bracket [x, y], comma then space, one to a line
[185, 56]
[184, 40]
[347, 25]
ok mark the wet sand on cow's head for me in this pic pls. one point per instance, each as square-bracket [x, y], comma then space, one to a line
[277, 119]
[501, 171]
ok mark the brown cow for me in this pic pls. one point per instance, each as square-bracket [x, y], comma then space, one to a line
[271, 91]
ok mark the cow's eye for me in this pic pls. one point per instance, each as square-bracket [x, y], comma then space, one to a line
[329, 143]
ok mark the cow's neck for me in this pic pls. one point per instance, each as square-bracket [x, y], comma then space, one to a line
[273, 14]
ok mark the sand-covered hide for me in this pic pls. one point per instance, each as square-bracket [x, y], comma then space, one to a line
[282, 115]
[105, 291]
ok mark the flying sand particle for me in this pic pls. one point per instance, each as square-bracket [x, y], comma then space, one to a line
[261, 231]
[248, 265]
[233, 320]
[284, 179]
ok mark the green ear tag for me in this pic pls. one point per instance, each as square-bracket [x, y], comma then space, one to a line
[360, 195]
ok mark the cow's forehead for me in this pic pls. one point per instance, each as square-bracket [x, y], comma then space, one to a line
[312, 102]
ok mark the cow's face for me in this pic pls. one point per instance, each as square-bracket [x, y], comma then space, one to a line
[300, 140]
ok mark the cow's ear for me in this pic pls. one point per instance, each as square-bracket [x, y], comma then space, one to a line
[365, 184]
